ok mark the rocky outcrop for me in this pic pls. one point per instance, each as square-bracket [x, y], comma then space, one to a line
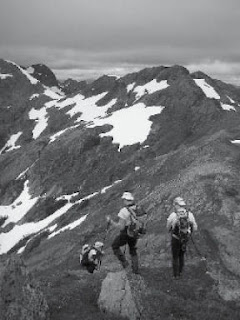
[43, 74]
[71, 86]
[121, 295]
[20, 297]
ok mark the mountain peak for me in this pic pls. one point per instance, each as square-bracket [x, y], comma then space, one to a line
[199, 75]
[43, 74]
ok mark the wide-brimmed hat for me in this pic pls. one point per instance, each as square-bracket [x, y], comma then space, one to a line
[127, 196]
[179, 201]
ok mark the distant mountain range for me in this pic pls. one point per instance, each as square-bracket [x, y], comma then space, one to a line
[68, 150]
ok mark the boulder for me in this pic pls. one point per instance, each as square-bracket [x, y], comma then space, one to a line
[121, 295]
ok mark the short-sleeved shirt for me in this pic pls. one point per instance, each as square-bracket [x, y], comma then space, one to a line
[173, 218]
[125, 214]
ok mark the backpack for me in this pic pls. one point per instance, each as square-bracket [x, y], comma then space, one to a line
[90, 265]
[136, 227]
[183, 227]
[83, 259]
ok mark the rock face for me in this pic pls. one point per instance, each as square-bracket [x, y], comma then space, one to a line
[70, 86]
[118, 297]
[44, 75]
[20, 297]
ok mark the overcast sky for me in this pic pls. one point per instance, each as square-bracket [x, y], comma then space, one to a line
[86, 38]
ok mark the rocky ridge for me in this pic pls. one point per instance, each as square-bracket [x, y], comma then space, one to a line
[73, 170]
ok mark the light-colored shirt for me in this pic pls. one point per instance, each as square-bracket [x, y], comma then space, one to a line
[125, 215]
[173, 219]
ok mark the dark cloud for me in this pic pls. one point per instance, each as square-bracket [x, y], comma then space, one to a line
[108, 34]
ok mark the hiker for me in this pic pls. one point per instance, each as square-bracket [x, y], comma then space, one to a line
[90, 257]
[130, 228]
[181, 223]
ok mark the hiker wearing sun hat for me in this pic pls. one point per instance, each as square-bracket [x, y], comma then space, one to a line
[128, 216]
[181, 223]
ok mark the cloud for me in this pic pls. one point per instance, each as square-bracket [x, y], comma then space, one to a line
[223, 70]
[88, 64]
[216, 66]
[93, 73]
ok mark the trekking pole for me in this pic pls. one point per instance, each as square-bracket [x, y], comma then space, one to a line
[199, 253]
[39, 169]
[104, 238]
[149, 218]
[196, 248]
[107, 230]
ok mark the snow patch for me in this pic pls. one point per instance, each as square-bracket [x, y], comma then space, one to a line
[29, 77]
[110, 186]
[57, 91]
[59, 133]
[35, 95]
[150, 87]
[22, 174]
[208, 90]
[41, 120]
[130, 86]
[70, 226]
[11, 143]
[4, 76]
[17, 210]
[235, 141]
[88, 108]
[114, 76]
[52, 94]
[227, 107]
[10, 239]
[230, 99]
[22, 205]
[130, 125]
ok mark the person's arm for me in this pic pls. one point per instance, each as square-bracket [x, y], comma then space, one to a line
[119, 225]
[170, 221]
[193, 222]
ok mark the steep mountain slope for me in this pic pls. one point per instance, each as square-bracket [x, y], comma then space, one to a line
[43, 74]
[66, 159]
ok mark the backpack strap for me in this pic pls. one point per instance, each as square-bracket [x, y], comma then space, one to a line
[133, 215]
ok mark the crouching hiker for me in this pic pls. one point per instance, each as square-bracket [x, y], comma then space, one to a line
[181, 223]
[129, 230]
[90, 257]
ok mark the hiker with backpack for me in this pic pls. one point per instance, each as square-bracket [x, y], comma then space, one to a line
[90, 257]
[180, 223]
[130, 228]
